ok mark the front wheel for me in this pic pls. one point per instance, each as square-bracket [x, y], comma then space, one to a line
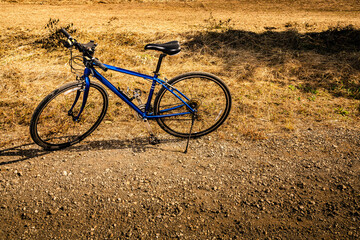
[53, 125]
[204, 92]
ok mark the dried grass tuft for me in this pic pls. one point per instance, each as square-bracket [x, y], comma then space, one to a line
[280, 80]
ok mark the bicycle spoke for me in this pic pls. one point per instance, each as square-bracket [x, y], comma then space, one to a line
[207, 95]
[51, 125]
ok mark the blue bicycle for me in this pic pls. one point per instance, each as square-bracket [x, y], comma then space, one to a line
[188, 106]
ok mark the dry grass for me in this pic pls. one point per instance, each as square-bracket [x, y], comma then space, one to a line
[288, 66]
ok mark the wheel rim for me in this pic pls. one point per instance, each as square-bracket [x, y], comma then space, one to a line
[208, 97]
[55, 127]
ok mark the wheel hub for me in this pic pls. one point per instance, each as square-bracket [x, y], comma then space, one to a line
[194, 103]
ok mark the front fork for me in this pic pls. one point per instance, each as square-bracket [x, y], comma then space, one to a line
[85, 89]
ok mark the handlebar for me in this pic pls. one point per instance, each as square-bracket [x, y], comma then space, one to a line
[65, 33]
[87, 49]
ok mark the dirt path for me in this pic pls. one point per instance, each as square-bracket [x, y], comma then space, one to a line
[303, 186]
[183, 16]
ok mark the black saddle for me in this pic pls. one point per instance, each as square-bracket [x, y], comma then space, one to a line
[170, 48]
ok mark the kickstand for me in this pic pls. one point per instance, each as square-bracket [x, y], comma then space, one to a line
[192, 124]
[153, 140]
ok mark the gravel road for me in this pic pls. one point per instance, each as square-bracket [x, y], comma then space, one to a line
[305, 185]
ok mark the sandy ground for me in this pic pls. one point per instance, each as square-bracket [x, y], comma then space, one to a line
[303, 186]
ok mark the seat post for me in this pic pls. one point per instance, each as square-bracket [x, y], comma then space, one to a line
[159, 64]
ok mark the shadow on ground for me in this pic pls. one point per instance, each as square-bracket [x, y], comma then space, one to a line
[28, 151]
[328, 59]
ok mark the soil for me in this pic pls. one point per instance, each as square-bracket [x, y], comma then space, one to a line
[299, 185]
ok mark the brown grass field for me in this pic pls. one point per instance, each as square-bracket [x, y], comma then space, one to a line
[287, 65]
[291, 65]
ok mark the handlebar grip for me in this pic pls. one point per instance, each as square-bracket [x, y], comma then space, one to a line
[65, 33]
[99, 64]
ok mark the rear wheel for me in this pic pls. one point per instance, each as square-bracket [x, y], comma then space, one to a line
[52, 125]
[205, 92]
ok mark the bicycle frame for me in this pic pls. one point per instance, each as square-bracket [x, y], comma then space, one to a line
[144, 114]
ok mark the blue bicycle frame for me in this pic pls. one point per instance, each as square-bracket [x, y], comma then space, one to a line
[144, 114]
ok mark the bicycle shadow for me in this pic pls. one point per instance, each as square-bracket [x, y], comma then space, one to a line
[140, 144]
[23, 154]
[30, 150]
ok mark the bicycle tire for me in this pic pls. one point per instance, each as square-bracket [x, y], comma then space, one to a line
[210, 96]
[53, 128]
